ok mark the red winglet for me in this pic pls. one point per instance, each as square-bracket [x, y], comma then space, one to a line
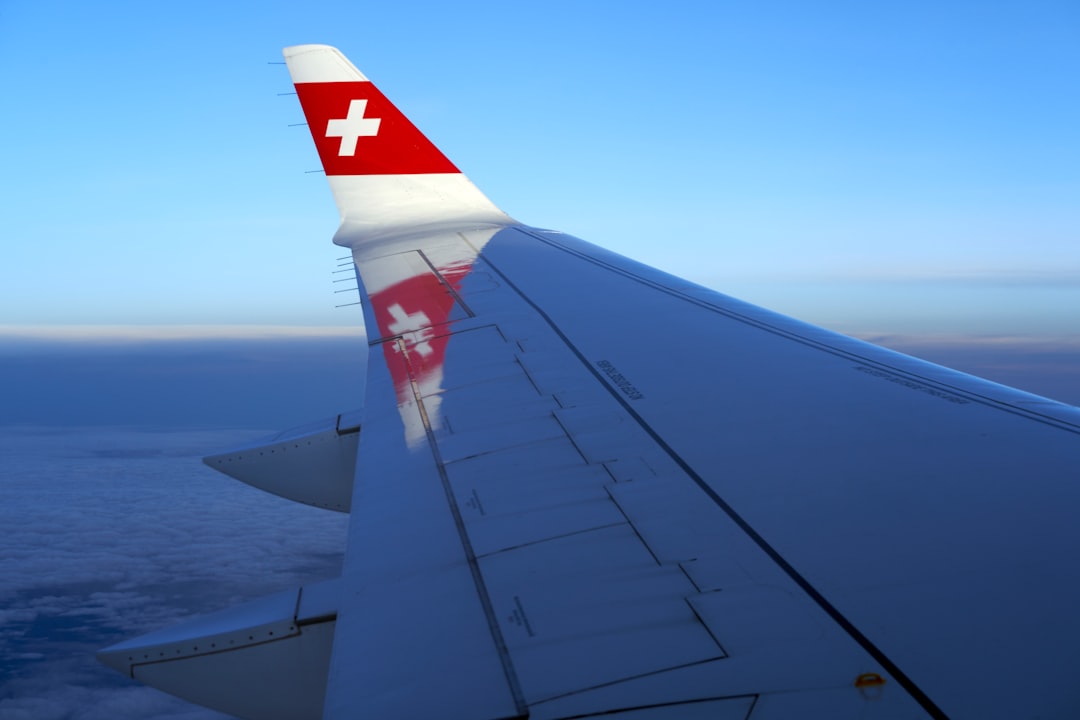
[386, 176]
[357, 131]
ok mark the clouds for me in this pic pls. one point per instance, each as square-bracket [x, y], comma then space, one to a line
[70, 692]
[147, 509]
[111, 533]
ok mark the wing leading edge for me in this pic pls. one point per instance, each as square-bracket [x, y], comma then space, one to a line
[585, 487]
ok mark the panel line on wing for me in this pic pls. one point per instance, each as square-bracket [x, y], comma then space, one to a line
[640, 676]
[474, 568]
[701, 620]
[552, 537]
[450, 289]
[637, 532]
[717, 708]
[561, 424]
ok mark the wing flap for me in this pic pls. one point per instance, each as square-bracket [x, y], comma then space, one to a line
[267, 658]
[593, 608]
[312, 464]
[529, 494]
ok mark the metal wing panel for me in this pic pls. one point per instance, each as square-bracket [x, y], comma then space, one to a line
[501, 480]
[414, 636]
[928, 512]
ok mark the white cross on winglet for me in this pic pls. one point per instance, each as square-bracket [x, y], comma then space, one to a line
[351, 127]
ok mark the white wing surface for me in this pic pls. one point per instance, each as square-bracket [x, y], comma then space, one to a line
[586, 488]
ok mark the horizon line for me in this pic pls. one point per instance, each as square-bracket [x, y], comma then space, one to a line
[136, 332]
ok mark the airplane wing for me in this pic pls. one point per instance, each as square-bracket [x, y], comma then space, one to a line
[584, 488]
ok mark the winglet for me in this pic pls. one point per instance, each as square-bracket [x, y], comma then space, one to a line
[386, 176]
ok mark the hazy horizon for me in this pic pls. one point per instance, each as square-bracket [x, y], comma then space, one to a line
[114, 527]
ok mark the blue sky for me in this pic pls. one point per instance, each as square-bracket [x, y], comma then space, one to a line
[876, 167]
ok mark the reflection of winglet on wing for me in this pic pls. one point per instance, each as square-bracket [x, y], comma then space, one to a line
[384, 173]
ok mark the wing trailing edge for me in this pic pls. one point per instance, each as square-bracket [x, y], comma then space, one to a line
[267, 658]
[312, 464]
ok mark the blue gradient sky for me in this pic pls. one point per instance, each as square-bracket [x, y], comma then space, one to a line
[879, 168]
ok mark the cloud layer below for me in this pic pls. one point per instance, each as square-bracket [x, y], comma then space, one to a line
[111, 533]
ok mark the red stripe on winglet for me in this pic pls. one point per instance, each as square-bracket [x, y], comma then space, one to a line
[397, 148]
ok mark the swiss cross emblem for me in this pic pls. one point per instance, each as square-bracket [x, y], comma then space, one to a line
[416, 324]
[352, 127]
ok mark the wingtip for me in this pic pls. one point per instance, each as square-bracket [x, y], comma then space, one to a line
[320, 63]
[306, 47]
